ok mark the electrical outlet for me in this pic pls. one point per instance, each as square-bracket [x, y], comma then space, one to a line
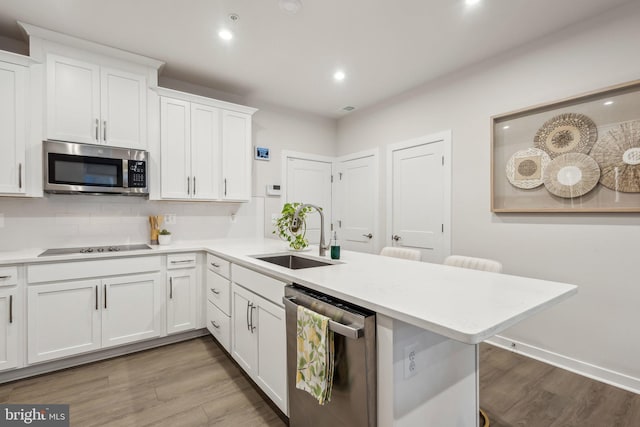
[1, 220]
[169, 219]
[410, 360]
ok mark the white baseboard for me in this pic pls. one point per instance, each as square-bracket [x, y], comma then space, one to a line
[588, 370]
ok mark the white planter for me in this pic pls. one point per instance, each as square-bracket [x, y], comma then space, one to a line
[164, 239]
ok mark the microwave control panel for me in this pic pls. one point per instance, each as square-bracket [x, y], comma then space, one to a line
[137, 174]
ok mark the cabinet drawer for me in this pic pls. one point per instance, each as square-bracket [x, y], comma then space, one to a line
[265, 286]
[8, 276]
[219, 291]
[219, 325]
[181, 261]
[40, 273]
[218, 265]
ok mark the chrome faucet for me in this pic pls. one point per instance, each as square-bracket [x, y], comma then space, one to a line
[296, 223]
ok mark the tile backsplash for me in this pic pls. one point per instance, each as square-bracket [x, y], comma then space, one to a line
[78, 220]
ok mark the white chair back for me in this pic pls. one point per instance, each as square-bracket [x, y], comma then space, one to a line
[473, 263]
[404, 253]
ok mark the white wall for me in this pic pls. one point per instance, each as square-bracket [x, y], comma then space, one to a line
[600, 325]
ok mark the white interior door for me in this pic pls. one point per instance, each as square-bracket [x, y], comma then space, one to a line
[309, 181]
[356, 192]
[418, 199]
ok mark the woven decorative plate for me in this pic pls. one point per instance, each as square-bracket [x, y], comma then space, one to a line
[525, 168]
[618, 155]
[566, 133]
[571, 175]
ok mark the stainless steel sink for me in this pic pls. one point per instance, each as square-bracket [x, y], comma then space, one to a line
[293, 262]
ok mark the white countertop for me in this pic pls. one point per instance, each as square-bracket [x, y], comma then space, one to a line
[465, 305]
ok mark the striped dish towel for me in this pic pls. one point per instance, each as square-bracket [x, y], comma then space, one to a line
[314, 372]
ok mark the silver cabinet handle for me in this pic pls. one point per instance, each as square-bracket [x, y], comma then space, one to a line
[170, 287]
[215, 325]
[97, 297]
[5, 277]
[194, 185]
[339, 328]
[248, 326]
[10, 308]
[188, 185]
[225, 186]
[105, 296]
[215, 291]
[97, 124]
[20, 176]
[215, 265]
[395, 237]
[104, 131]
[253, 307]
[368, 235]
[181, 261]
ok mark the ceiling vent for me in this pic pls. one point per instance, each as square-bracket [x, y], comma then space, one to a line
[349, 108]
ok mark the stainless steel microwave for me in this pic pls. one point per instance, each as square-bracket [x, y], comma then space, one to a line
[84, 168]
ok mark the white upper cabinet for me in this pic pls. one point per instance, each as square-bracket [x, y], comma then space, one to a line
[95, 105]
[13, 126]
[205, 148]
[236, 152]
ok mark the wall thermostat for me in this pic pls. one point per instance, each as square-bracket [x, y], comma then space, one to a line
[273, 190]
[261, 153]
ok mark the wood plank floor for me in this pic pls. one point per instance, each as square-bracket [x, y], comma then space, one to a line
[195, 384]
[518, 391]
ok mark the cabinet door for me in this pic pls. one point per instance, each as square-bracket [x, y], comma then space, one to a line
[73, 100]
[9, 329]
[205, 152]
[236, 156]
[243, 340]
[271, 373]
[175, 142]
[123, 109]
[131, 308]
[13, 95]
[63, 319]
[181, 301]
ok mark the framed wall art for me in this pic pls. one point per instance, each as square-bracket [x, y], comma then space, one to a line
[575, 155]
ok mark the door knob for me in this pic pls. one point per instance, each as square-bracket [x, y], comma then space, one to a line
[368, 235]
[395, 237]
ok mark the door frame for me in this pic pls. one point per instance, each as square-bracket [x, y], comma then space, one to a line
[375, 153]
[445, 137]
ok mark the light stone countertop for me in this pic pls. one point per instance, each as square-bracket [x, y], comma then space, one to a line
[466, 305]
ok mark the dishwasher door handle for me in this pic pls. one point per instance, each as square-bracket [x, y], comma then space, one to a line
[337, 327]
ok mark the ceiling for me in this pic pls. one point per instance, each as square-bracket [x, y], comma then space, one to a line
[384, 47]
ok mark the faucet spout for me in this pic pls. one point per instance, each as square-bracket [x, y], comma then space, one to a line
[296, 222]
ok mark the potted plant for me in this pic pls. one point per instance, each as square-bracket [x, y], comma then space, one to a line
[297, 241]
[164, 237]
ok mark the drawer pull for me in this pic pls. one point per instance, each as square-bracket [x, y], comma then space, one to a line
[215, 325]
[215, 265]
[5, 277]
[215, 291]
[182, 261]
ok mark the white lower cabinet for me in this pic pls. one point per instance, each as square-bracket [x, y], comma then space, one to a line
[181, 300]
[259, 342]
[131, 309]
[219, 324]
[68, 318]
[63, 319]
[9, 328]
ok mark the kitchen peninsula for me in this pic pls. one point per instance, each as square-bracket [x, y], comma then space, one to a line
[441, 313]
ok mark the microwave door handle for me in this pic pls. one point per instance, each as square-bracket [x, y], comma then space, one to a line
[125, 173]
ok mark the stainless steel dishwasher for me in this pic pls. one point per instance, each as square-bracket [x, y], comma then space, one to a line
[353, 399]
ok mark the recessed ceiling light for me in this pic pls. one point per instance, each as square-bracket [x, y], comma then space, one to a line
[471, 2]
[608, 103]
[290, 6]
[506, 127]
[225, 34]
[339, 75]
